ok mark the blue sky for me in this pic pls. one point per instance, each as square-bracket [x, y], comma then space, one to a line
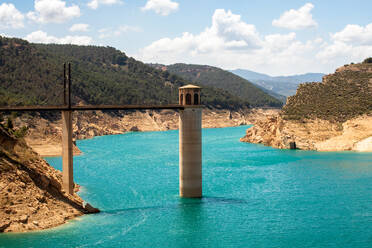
[268, 36]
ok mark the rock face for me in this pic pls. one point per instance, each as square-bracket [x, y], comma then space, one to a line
[320, 135]
[31, 195]
[356, 136]
[335, 115]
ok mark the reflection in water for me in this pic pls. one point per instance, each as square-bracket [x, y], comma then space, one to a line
[191, 220]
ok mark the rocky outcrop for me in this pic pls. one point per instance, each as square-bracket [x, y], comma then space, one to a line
[364, 145]
[279, 133]
[31, 194]
[356, 136]
[317, 134]
[335, 115]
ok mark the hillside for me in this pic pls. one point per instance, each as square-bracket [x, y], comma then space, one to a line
[33, 74]
[218, 78]
[31, 195]
[284, 85]
[281, 98]
[334, 115]
[341, 96]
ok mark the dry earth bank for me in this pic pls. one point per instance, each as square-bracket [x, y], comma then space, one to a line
[31, 194]
[44, 136]
[317, 134]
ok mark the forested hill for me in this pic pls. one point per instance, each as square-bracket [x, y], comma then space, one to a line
[216, 77]
[33, 74]
[341, 96]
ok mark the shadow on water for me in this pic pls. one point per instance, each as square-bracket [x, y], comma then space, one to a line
[211, 200]
[183, 203]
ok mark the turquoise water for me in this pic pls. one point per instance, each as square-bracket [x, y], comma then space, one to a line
[255, 196]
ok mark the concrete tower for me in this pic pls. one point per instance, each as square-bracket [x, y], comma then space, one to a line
[67, 153]
[190, 128]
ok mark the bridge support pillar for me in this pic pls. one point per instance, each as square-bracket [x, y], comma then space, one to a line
[190, 143]
[67, 152]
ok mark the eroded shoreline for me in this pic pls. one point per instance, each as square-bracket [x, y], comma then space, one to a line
[31, 192]
[45, 136]
[318, 135]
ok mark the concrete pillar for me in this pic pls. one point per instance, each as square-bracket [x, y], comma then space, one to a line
[67, 152]
[190, 145]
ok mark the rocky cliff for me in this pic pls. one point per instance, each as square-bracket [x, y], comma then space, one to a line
[335, 115]
[317, 134]
[31, 195]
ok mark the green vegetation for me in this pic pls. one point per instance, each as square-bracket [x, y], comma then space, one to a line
[32, 74]
[218, 78]
[368, 60]
[342, 96]
[9, 127]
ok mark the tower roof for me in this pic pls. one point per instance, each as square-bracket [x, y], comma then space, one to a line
[190, 86]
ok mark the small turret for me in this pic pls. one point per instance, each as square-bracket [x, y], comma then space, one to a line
[189, 95]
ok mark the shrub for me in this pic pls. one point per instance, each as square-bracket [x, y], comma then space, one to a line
[20, 133]
[368, 61]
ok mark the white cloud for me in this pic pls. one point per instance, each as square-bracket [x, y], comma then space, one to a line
[95, 3]
[279, 42]
[161, 7]
[10, 17]
[229, 27]
[110, 32]
[79, 27]
[353, 43]
[296, 19]
[42, 37]
[56, 11]
[6, 35]
[232, 43]
[227, 32]
[355, 34]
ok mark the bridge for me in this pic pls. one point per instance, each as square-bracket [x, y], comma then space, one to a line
[190, 122]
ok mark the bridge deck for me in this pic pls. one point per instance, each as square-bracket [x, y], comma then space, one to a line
[90, 107]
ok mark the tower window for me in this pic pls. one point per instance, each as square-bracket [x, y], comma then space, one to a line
[196, 99]
[188, 99]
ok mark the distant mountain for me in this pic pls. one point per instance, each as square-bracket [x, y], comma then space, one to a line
[225, 80]
[284, 85]
[250, 74]
[281, 98]
[31, 74]
[308, 77]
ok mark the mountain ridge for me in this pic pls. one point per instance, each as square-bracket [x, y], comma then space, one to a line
[32, 74]
[284, 85]
[225, 80]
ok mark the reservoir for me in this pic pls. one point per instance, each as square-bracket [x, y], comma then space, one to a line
[254, 196]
